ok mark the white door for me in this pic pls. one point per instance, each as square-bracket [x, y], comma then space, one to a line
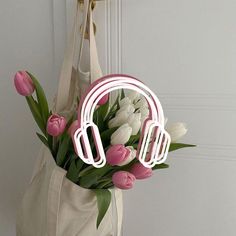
[185, 51]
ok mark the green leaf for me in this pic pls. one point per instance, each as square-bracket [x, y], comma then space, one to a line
[42, 100]
[160, 166]
[36, 113]
[92, 178]
[74, 169]
[113, 109]
[100, 115]
[133, 139]
[176, 146]
[62, 150]
[103, 201]
[106, 136]
[43, 139]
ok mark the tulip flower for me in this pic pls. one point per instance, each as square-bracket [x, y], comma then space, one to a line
[119, 119]
[23, 83]
[117, 154]
[130, 157]
[144, 114]
[132, 95]
[140, 171]
[121, 135]
[176, 131]
[56, 125]
[103, 100]
[128, 108]
[124, 101]
[73, 127]
[123, 179]
[121, 115]
[141, 103]
[134, 121]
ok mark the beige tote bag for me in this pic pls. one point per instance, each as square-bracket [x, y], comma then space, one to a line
[52, 204]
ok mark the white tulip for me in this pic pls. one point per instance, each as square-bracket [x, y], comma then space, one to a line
[176, 131]
[130, 158]
[121, 116]
[129, 108]
[141, 103]
[132, 95]
[134, 121]
[144, 112]
[124, 101]
[121, 135]
[119, 119]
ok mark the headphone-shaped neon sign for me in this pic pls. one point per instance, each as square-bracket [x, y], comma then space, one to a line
[154, 140]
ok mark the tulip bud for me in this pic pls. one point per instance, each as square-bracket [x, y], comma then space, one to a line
[73, 127]
[119, 119]
[121, 116]
[23, 83]
[123, 179]
[134, 121]
[141, 103]
[56, 125]
[128, 108]
[121, 135]
[140, 171]
[103, 100]
[176, 131]
[132, 95]
[117, 154]
[124, 101]
[130, 156]
[144, 112]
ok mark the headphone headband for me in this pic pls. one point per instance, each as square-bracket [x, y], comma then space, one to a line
[110, 83]
[153, 133]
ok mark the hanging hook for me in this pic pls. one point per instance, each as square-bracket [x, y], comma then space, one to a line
[93, 5]
[81, 2]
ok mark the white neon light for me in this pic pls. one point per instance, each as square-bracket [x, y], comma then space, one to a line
[159, 147]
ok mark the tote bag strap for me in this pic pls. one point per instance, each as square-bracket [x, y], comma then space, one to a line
[66, 70]
[70, 55]
[95, 69]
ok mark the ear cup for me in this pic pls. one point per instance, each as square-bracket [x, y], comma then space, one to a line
[160, 146]
[153, 144]
[79, 143]
[144, 141]
[100, 160]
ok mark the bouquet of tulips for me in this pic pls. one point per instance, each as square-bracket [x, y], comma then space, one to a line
[119, 125]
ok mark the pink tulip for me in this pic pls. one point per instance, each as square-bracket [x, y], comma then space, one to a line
[117, 154]
[73, 127]
[123, 179]
[23, 83]
[103, 100]
[56, 125]
[140, 171]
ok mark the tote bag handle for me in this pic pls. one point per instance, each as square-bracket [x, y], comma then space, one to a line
[95, 69]
[70, 56]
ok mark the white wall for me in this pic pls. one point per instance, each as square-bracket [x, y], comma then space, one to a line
[185, 50]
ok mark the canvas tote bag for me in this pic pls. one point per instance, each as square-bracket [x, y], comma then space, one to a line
[53, 205]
